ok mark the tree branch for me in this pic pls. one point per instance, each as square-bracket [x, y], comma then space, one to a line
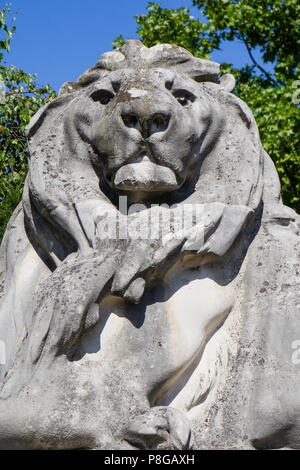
[255, 63]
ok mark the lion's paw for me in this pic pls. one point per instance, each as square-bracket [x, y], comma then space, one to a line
[160, 428]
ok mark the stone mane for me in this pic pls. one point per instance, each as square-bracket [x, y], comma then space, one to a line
[135, 55]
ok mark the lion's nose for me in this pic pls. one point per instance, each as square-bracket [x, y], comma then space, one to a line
[147, 126]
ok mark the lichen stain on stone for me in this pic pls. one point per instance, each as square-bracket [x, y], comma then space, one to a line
[124, 96]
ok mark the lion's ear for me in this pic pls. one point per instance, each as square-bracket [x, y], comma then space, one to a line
[227, 82]
[67, 87]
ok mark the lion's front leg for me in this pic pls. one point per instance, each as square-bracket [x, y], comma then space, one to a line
[66, 304]
[65, 299]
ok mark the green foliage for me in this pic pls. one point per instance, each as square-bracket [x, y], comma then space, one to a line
[272, 26]
[162, 25]
[278, 120]
[20, 98]
[268, 26]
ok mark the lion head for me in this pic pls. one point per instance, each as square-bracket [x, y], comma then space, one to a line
[153, 124]
[148, 127]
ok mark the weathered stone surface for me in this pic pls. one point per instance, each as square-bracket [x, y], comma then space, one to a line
[123, 329]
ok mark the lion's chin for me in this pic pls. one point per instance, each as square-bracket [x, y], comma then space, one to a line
[145, 175]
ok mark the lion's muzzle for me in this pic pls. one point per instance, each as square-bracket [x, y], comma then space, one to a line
[145, 175]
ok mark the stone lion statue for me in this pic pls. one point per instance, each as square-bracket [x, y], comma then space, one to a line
[182, 338]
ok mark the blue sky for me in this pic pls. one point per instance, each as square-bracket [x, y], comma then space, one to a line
[60, 39]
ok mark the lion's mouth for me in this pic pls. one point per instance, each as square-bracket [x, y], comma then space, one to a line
[145, 175]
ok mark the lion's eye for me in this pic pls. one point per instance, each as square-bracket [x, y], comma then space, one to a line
[183, 101]
[184, 97]
[102, 96]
